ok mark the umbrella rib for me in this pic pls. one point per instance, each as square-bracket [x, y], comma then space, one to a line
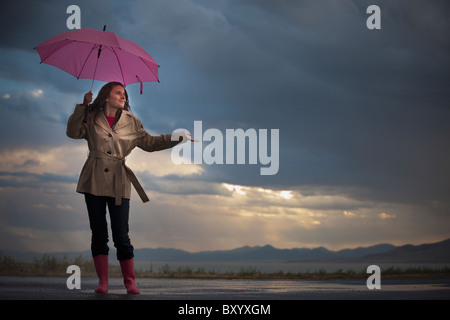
[145, 62]
[68, 42]
[85, 61]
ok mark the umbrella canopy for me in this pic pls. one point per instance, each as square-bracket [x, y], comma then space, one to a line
[99, 55]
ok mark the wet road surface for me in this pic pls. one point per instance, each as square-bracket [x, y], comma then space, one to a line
[55, 288]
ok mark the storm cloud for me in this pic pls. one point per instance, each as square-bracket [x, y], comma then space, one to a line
[362, 115]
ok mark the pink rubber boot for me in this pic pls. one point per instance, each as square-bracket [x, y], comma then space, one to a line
[101, 267]
[127, 267]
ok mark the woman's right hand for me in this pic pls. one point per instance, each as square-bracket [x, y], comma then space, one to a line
[87, 98]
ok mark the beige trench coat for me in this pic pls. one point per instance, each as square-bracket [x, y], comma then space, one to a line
[105, 172]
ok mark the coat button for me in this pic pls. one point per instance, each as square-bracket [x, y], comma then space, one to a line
[106, 169]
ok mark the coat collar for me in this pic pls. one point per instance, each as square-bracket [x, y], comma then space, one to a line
[124, 120]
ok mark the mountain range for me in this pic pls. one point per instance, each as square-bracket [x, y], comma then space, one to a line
[435, 252]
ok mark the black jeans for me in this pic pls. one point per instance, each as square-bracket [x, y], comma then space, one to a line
[96, 207]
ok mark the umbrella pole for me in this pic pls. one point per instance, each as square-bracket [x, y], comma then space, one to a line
[96, 62]
[92, 85]
[95, 70]
[93, 78]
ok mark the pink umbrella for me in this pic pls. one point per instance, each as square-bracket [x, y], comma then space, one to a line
[99, 55]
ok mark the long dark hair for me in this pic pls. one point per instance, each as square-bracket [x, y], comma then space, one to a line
[100, 101]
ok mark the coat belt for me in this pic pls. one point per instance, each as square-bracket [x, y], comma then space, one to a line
[118, 186]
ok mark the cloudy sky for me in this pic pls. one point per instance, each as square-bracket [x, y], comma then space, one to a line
[363, 119]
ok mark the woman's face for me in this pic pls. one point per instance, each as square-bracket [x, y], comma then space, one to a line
[116, 98]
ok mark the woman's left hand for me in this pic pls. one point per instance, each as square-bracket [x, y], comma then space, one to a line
[187, 135]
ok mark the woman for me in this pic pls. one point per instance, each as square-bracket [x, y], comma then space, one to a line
[112, 132]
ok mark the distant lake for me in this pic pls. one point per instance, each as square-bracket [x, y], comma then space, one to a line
[274, 267]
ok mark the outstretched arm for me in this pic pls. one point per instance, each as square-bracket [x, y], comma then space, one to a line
[151, 143]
